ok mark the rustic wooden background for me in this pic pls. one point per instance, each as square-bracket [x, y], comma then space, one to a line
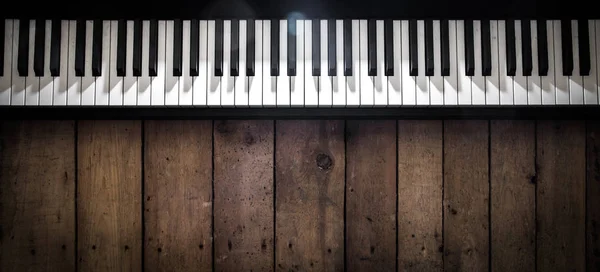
[264, 195]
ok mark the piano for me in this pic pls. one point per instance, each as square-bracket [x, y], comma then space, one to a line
[309, 59]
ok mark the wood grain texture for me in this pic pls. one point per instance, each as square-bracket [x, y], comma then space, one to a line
[420, 182]
[309, 195]
[592, 197]
[244, 237]
[466, 195]
[37, 196]
[109, 193]
[371, 195]
[178, 195]
[561, 196]
[512, 193]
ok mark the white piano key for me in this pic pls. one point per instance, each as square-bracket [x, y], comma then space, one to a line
[436, 82]
[395, 82]
[73, 81]
[519, 81]
[561, 82]
[409, 83]
[18, 82]
[5, 79]
[464, 81]
[297, 82]
[32, 82]
[143, 81]
[269, 82]
[227, 94]
[380, 81]
[352, 82]
[60, 82]
[339, 81]
[548, 85]
[158, 82]
[241, 81]
[255, 82]
[451, 81]
[311, 83]
[492, 92]
[477, 80]
[130, 90]
[325, 88]
[534, 83]
[366, 81]
[213, 96]
[88, 86]
[283, 80]
[185, 81]
[200, 82]
[590, 83]
[422, 79]
[506, 82]
[116, 82]
[103, 81]
[46, 86]
[575, 80]
[171, 81]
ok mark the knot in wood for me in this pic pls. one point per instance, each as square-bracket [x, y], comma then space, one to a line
[249, 138]
[324, 162]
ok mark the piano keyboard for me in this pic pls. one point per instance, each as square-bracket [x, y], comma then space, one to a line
[299, 63]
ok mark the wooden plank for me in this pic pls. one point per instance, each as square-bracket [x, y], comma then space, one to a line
[109, 193]
[466, 194]
[178, 195]
[592, 199]
[37, 196]
[561, 196]
[243, 172]
[420, 184]
[309, 210]
[371, 195]
[513, 181]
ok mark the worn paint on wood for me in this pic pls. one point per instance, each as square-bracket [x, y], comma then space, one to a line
[309, 195]
[243, 172]
[178, 195]
[37, 196]
[109, 193]
[513, 181]
[420, 195]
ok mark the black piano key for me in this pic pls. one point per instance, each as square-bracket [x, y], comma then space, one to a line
[486, 52]
[316, 47]
[469, 48]
[2, 27]
[177, 47]
[372, 47]
[511, 59]
[235, 46]
[331, 44]
[584, 47]
[137, 48]
[542, 44]
[153, 49]
[388, 44]
[347, 47]
[428, 48]
[274, 47]
[80, 48]
[194, 47]
[250, 48]
[526, 47]
[413, 48]
[55, 37]
[567, 47]
[445, 47]
[219, 47]
[291, 50]
[121, 47]
[97, 49]
[23, 50]
[40, 40]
